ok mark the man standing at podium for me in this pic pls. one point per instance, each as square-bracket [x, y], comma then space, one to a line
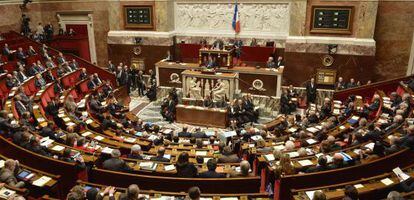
[311, 91]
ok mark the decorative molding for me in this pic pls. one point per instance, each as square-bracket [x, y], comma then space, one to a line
[80, 17]
[316, 44]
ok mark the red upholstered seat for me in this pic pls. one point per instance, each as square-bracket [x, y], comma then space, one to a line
[44, 102]
[84, 87]
[51, 92]
[46, 97]
[32, 86]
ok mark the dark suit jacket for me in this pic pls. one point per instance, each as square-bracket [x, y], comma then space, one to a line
[200, 135]
[160, 159]
[20, 108]
[211, 174]
[116, 164]
[187, 170]
[184, 134]
[233, 158]
[52, 109]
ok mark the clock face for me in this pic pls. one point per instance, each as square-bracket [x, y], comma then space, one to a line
[137, 50]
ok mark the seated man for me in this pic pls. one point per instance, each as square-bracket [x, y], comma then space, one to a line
[160, 156]
[279, 62]
[135, 152]
[211, 173]
[244, 170]
[8, 174]
[199, 134]
[132, 192]
[270, 63]
[228, 156]
[194, 193]
[115, 163]
[338, 162]
[184, 132]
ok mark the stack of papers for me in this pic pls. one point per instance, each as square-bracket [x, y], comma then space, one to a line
[169, 167]
[201, 153]
[41, 181]
[107, 150]
[86, 134]
[387, 181]
[269, 157]
[58, 148]
[99, 138]
[6, 193]
[305, 162]
[311, 141]
[400, 174]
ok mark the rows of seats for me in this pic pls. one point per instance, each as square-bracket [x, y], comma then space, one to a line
[285, 140]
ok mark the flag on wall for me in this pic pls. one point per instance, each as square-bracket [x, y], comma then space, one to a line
[236, 19]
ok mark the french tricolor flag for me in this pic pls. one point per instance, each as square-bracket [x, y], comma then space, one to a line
[236, 19]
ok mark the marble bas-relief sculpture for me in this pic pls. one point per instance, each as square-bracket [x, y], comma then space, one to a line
[274, 17]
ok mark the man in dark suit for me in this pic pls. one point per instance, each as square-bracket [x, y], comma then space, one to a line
[11, 82]
[338, 162]
[228, 156]
[132, 192]
[211, 173]
[91, 83]
[74, 65]
[48, 131]
[135, 152]
[19, 105]
[184, 132]
[96, 107]
[208, 102]
[61, 59]
[115, 163]
[279, 62]
[408, 140]
[340, 85]
[199, 134]
[270, 63]
[322, 165]
[375, 103]
[20, 55]
[52, 108]
[311, 91]
[140, 83]
[83, 75]
[111, 67]
[351, 83]
[107, 123]
[6, 51]
[160, 156]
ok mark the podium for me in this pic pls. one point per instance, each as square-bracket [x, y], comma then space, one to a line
[223, 58]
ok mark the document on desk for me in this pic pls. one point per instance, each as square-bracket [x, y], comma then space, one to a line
[58, 148]
[201, 153]
[387, 181]
[400, 174]
[269, 157]
[41, 181]
[169, 167]
[305, 162]
[6, 193]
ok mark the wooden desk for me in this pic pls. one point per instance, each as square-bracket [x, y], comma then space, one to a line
[201, 116]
